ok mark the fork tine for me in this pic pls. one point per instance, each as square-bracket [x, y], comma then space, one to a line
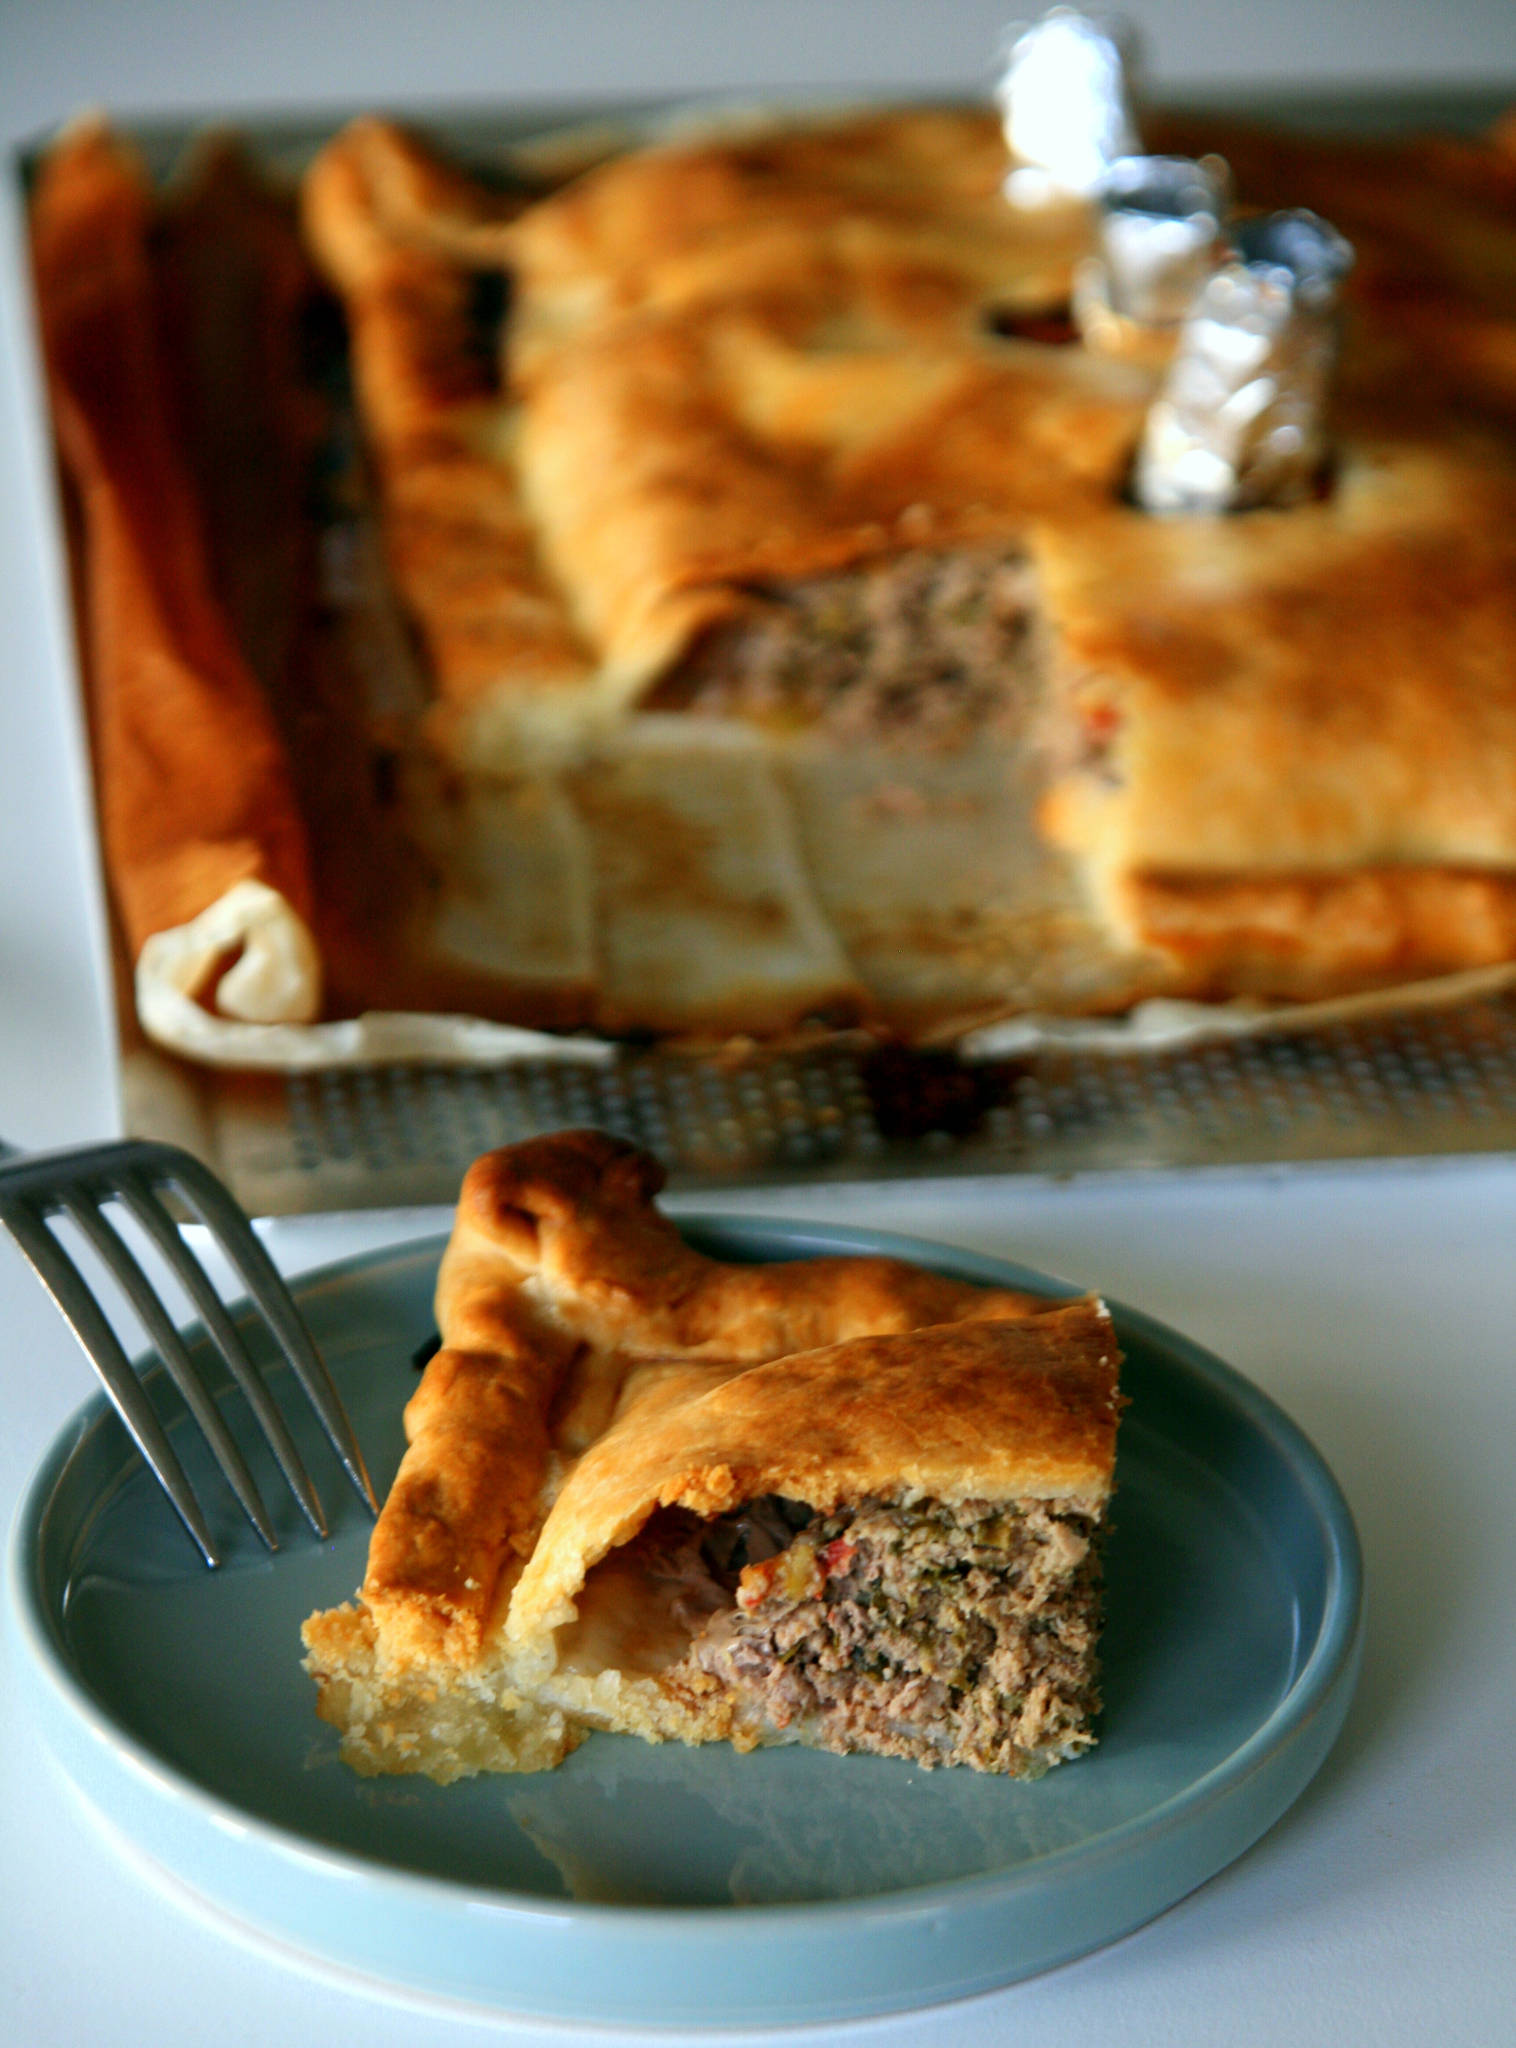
[265, 1284]
[66, 1285]
[139, 1291]
[132, 1172]
[135, 1192]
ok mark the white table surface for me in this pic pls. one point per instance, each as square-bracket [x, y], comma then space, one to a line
[1378, 1304]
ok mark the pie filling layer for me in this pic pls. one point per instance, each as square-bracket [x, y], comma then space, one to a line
[945, 1633]
[930, 647]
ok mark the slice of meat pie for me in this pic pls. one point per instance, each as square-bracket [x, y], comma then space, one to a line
[839, 1501]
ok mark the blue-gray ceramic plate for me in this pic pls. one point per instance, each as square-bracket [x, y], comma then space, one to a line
[667, 1886]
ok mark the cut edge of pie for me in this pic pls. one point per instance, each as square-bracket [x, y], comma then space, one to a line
[843, 1501]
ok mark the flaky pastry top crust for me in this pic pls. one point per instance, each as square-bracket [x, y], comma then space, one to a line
[739, 359]
[404, 237]
[892, 221]
[730, 361]
[993, 1410]
[566, 1300]
[1315, 688]
[767, 352]
[755, 358]
[671, 464]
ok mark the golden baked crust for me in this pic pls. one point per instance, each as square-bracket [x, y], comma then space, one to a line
[987, 1408]
[746, 359]
[1286, 739]
[891, 219]
[595, 1369]
[1290, 701]
[397, 231]
[737, 366]
[671, 463]
[704, 392]
[1319, 935]
[558, 1256]
[751, 359]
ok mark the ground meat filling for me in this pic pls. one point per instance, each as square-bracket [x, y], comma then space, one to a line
[949, 1634]
[932, 648]
[1081, 733]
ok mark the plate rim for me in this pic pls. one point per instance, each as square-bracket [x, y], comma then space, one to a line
[1318, 1679]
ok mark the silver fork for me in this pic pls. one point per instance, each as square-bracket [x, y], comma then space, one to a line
[78, 1184]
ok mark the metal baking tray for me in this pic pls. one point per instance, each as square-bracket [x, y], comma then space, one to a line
[1418, 1083]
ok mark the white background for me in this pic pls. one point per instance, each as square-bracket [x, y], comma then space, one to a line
[175, 53]
[1378, 1305]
